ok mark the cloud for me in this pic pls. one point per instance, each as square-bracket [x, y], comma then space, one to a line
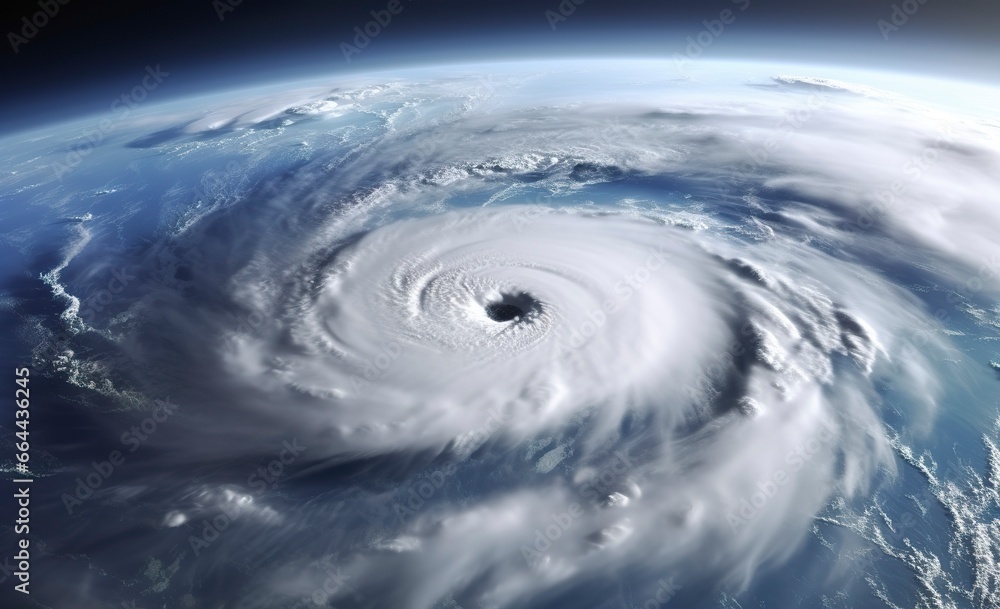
[659, 326]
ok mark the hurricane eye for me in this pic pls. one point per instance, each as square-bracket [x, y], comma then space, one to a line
[511, 307]
[501, 312]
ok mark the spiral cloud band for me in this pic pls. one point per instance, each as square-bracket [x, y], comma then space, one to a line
[516, 350]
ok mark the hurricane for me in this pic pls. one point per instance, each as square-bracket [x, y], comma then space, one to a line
[475, 337]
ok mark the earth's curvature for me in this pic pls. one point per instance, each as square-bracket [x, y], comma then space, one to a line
[588, 334]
